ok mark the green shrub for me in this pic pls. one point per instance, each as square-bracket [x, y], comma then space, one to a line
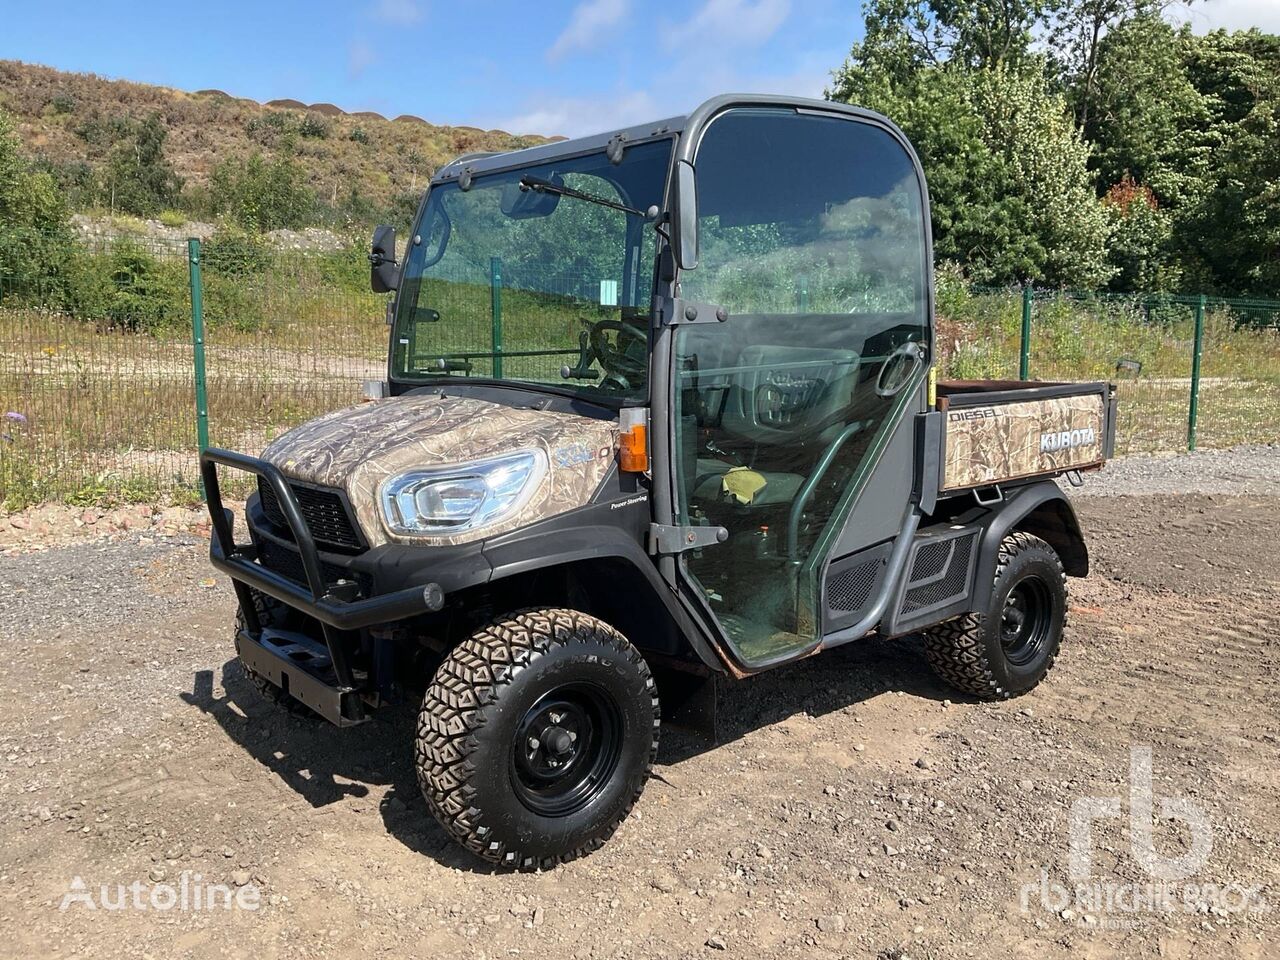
[173, 218]
[63, 103]
[235, 253]
[261, 194]
[346, 269]
[313, 127]
[127, 288]
[139, 178]
[233, 300]
[35, 239]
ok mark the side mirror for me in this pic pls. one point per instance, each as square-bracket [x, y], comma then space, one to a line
[384, 271]
[685, 234]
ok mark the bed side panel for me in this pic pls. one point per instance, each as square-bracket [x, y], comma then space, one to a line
[1014, 438]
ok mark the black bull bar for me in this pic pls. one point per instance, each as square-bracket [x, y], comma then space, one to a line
[337, 606]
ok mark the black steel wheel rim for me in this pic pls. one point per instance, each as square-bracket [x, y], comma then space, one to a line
[566, 749]
[1026, 621]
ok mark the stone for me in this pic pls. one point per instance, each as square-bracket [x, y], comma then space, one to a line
[833, 923]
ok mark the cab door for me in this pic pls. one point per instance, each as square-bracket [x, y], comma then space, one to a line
[812, 234]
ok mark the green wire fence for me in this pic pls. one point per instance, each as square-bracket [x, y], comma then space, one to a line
[122, 356]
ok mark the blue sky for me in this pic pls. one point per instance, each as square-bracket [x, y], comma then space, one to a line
[557, 67]
[553, 67]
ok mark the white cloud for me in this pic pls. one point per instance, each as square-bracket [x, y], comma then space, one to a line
[403, 12]
[549, 115]
[587, 25]
[360, 57]
[578, 116]
[746, 23]
[1234, 15]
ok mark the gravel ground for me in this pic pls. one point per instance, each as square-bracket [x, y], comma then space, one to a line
[53, 590]
[855, 808]
[1238, 471]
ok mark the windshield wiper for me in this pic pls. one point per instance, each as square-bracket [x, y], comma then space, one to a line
[539, 185]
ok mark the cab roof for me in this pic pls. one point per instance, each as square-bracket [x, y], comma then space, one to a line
[479, 163]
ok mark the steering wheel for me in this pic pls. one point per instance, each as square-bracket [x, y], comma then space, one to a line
[626, 355]
[898, 368]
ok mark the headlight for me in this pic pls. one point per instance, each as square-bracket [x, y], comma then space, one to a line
[461, 497]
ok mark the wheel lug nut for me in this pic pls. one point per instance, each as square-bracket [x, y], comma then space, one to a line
[533, 743]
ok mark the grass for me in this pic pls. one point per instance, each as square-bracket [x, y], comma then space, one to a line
[106, 416]
[1086, 339]
[388, 159]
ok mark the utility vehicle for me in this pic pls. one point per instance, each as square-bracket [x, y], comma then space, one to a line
[660, 404]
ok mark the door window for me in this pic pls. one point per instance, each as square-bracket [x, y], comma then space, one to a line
[811, 234]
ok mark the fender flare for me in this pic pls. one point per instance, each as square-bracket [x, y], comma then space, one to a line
[1041, 509]
[557, 547]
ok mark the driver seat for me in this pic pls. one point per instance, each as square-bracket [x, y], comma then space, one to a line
[784, 406]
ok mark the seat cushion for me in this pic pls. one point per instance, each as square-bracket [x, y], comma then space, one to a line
[779, 488]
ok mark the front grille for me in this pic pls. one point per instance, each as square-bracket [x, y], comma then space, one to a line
[323, 510]
[286, 562]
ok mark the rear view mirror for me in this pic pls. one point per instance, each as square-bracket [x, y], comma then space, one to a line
[384, 271]
[520, 203]
[686, 227]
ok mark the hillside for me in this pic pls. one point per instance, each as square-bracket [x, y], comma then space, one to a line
[69, 123]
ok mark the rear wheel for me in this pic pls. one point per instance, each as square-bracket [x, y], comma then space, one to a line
[1008, 648]
[536, 737]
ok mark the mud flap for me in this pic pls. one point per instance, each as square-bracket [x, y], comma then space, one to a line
[690, 701]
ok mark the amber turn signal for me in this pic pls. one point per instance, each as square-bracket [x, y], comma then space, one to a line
[633, 450]
[633, 443]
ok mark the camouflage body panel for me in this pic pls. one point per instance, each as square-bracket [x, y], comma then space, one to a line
[358, 448]
[1005, 441]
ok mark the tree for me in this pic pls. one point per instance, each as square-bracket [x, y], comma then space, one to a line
[1011, 194]
[1228, 232]
[29, 200]
[139, 179]
[906, 36]
[1046, 161]
[262, 194]
[1077, 32]
[1146, 115]
[1141, 239]
[34, 236]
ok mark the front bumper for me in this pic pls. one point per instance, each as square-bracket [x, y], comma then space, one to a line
[318, 674]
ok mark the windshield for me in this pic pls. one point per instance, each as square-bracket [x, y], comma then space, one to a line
[536, 282]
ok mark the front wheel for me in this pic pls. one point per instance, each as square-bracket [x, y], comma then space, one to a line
[536, 737]
[1008, 648]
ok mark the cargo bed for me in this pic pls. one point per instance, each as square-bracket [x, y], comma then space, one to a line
[996, 432]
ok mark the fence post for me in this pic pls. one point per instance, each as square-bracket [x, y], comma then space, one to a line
[1193, 410]
[197, 347]
[495, 294]
[1024, 353]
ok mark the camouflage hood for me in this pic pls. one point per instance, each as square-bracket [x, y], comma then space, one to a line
[358, 448]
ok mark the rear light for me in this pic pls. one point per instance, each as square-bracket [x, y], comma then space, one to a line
[633, 443]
